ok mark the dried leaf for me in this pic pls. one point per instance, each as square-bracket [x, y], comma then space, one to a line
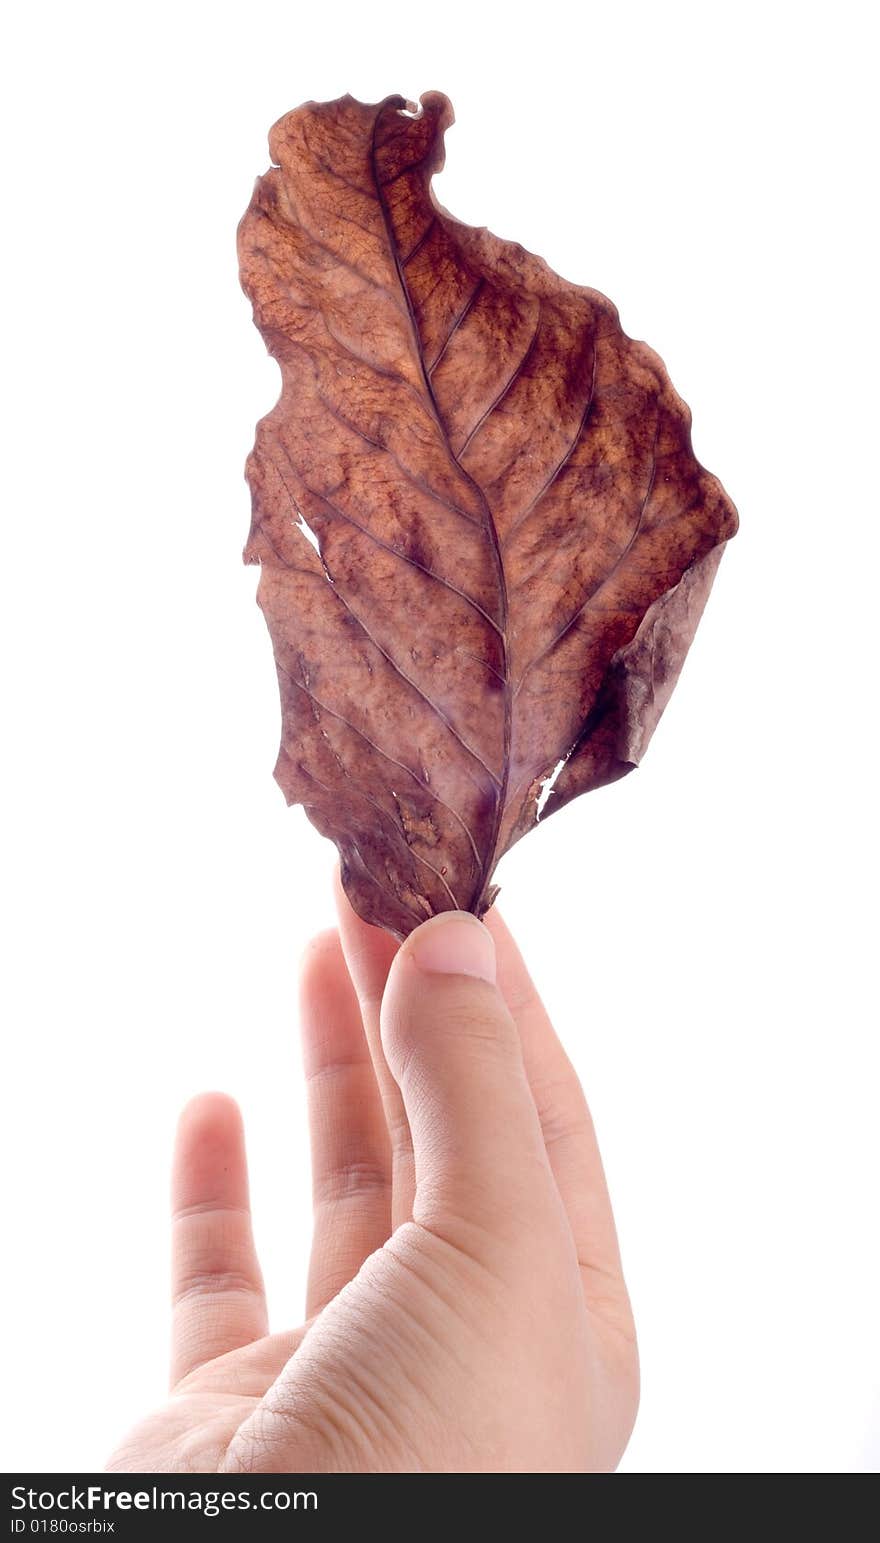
[485, 540]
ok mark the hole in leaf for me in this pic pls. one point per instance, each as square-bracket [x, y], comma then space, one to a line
[547, 786]
[309, 534]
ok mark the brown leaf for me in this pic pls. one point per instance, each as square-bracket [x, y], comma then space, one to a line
[485, 540]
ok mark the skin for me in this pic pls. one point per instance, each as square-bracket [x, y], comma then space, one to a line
[466, 1309]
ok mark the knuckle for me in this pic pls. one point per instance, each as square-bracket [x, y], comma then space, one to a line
[195, 1283]
[355, 1180]
[562, 1112]
[475, 1024]
[213, 1255]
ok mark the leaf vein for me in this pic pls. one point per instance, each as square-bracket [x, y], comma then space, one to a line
[421, 241]
[461, 317]
[606, 579]
[392, 760]
[496, 402]
[385, 545]
[561, 465]
[438, 711]
[387, 815]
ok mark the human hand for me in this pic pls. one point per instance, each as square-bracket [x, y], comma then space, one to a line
[466, 1310]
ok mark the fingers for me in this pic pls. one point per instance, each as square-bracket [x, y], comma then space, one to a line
[567, 1129]
[453, 1049]
[569, 1136]
[351, 1156]
[218, 1302]
[368, 954]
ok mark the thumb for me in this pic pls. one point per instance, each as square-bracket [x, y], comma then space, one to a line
[453, 1048]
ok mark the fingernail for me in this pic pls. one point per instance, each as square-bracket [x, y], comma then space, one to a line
[455, 943]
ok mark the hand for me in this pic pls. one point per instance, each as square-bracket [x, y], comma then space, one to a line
[466, 1309]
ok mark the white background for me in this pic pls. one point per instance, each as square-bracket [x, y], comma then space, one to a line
[701, 930]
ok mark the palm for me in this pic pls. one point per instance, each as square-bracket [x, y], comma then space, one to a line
[194, 1429]
[234, 1384]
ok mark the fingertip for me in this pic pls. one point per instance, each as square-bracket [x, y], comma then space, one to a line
[453, 943]
[368, 951]
[353, 926]
[442, 999]
[209, 1113]
[344, 908]
[496, 924]
[321, 953]
[452, 1046]
[209, 1155]
[339, 894]
[321, 942]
